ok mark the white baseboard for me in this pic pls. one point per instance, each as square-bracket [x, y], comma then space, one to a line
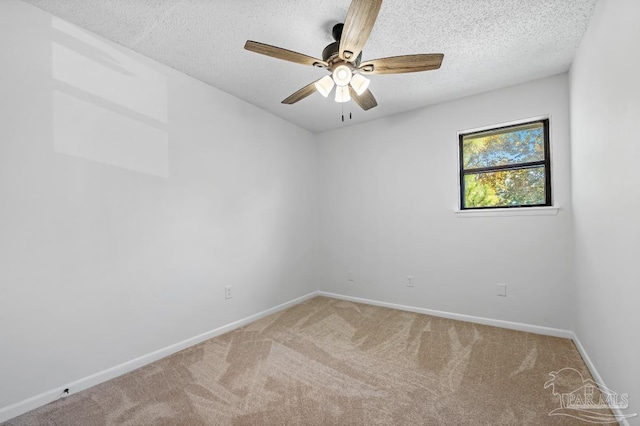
[556, 332]
[44, 398]
[548, 331]
[596, 376]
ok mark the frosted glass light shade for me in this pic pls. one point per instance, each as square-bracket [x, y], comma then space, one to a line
[342, 94]
[359, 83]
[324, 85]
[342, 75]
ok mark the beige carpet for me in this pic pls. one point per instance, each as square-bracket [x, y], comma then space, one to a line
[327, 362]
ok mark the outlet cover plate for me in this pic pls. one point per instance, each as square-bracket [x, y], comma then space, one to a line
[410, 281]
[502, 290]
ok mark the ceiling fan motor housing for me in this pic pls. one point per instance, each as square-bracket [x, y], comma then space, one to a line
[330, 53]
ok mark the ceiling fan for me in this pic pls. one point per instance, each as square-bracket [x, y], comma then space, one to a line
[343, 59]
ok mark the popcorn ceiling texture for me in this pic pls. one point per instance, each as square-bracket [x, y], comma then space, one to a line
[487, 44]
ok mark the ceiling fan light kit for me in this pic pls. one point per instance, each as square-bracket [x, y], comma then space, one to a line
[343, 59]
[359, 83]
[342, 94]
[342, 75]
[324, 85]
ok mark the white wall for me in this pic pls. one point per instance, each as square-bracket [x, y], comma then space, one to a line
[130, 195]
[605, 101]
[388, 190]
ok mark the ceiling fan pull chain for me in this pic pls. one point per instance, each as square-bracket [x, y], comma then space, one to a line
[342, 106]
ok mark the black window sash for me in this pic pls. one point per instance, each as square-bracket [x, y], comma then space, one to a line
[546, 163]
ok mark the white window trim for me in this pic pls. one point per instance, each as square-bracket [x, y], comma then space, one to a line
[519, 211]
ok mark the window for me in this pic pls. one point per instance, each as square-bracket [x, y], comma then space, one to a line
[506, 167]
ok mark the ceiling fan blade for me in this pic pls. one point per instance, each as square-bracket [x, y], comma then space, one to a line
[307, 90]
[402, 64]
[365, 101]
[358, 24]
[280, 53]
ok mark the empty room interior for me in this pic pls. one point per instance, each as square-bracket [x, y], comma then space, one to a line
[447, 235]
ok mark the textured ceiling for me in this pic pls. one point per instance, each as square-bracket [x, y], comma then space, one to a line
[487, 44]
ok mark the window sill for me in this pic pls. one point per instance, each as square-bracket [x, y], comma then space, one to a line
[525, 211]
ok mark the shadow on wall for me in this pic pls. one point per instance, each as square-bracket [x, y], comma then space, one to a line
[107, 107]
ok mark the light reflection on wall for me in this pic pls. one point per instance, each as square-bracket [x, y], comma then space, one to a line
[107, 107]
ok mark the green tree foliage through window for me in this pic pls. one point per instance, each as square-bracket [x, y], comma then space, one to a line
[506, 167]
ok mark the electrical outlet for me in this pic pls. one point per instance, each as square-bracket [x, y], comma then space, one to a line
[502, 290]
[351, 277]
[228, 294]
[409, 280]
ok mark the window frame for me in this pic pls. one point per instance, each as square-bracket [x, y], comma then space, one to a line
[546, 162]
